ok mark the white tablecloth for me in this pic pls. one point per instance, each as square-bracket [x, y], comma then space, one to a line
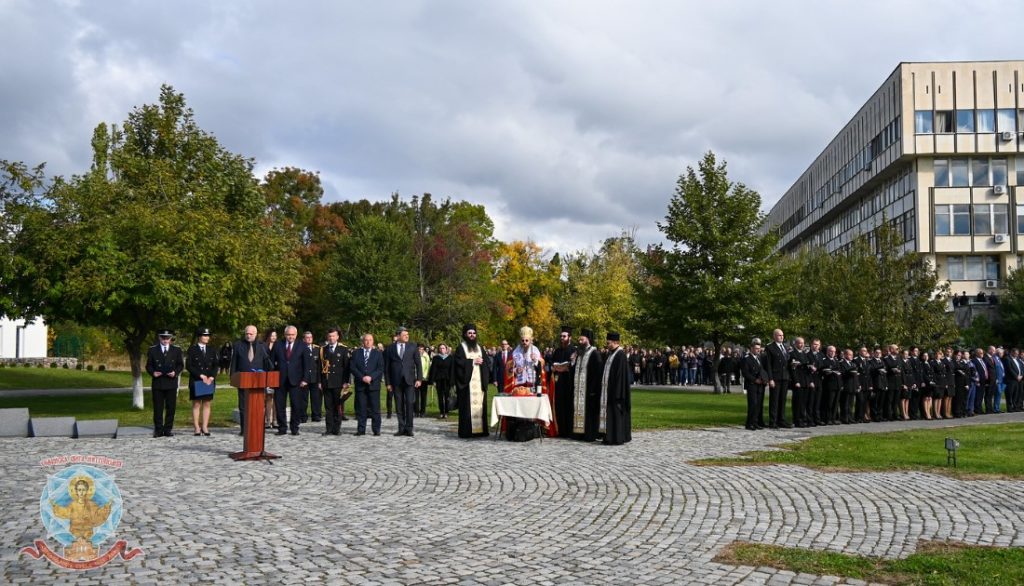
[536, 408]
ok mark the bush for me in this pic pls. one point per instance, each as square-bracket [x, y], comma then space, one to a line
[89, 367]
[103, 367]
[26, 365]
[53, 365]
[39, 365]
[78, 366]
[66, 365]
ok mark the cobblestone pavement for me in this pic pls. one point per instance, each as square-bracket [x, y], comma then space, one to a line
[436, 509]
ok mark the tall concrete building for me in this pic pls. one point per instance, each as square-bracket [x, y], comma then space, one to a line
[937, 150]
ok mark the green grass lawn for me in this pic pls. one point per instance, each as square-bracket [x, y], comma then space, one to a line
[934, 563]
[652, 409]
[12, 378]
[985, 451]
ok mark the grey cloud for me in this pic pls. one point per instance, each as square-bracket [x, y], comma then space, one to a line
[569, 119]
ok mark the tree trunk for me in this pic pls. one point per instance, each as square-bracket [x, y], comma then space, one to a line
[714, 367]
[135, 358]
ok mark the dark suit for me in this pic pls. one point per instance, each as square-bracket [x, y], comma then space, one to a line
[367, 362]
[402, 370]
[498, 368]
[986, 375]
[293, 368]
[776, 362]
[165, 388]
[1012, 370]
[754, 379]
[337, 376]
[240, 363]
[441, 375]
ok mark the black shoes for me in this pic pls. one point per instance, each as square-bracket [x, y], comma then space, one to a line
[281, 432]
[168, 433]
[296, 432]
[398, 433]
[376, 433]
[361, 433]
[158, 434]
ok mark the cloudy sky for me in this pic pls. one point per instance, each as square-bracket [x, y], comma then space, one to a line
[569, 120]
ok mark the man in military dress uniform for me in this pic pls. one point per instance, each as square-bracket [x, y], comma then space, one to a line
[164, 362]
[335, 380]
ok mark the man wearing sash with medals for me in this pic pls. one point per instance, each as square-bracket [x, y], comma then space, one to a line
[471, 378]
[616, 413]
[586, 390]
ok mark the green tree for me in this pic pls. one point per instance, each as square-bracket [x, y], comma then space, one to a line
[528, 284]
[719, 272]
[373, 276]
[1010, 324]
[871, 293]
[167, 229]
[598, 292]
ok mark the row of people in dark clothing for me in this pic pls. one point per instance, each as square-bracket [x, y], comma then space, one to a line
[681, 366]
[830, 387]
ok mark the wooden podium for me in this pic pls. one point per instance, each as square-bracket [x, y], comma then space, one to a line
[254, 385]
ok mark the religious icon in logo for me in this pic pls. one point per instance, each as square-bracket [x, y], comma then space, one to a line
[81, 509]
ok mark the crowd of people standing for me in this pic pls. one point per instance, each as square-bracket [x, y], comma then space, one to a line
[316, 380]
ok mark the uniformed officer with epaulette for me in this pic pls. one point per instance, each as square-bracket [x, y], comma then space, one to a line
[164, 362]
[202, 362]
[335, 381]
[314, 395]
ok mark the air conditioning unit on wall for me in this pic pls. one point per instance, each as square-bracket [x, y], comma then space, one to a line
[999, 189]
[1000, 238]
[991, 284]
[1007, 135]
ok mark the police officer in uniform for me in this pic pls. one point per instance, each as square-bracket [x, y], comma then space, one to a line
[203, 364]
[334, 380]
[164, 362]
[314, 392]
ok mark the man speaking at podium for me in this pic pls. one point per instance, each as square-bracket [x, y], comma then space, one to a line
[248, 355]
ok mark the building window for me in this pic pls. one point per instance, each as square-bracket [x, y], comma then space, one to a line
[1007, 120]
[1020, 219]
[965, 121]
[923, 122]
[952, 220]
[979, 172]
[941, 173]
[986, 120]
[944, 121]
[958, 173]
[972, 268]
[990, 219]
[999, 172]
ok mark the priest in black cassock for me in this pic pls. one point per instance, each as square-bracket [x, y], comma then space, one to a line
[561, 365]
[588, 370]
[470, 376]
[615, 398]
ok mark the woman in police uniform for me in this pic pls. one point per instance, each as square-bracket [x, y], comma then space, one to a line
[201, 361]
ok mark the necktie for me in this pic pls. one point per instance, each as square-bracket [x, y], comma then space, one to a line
[288, 352]
[202, 349]
[164, 349]
[401, 350]
[366, 357]
[252, 354]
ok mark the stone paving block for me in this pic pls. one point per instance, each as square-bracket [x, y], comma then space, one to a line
[52, 426]
[14, 422]
[96, 428]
